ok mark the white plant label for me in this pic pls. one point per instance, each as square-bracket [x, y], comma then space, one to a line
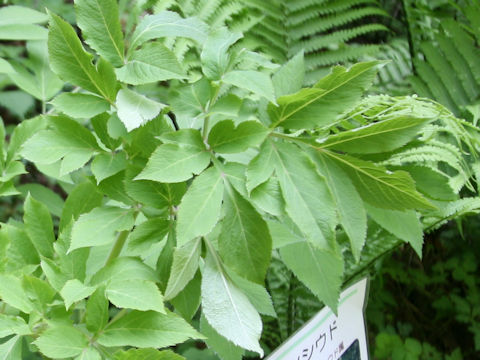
[330, 337]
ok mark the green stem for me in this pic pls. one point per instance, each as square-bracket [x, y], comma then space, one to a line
[210, 105]
[117, 247]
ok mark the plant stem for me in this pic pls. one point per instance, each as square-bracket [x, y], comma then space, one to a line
[117, 247]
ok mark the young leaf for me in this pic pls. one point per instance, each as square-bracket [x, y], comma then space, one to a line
[382, 136]
[199, 210]
[39, 226]
[74, 291]
[227, 309]
[330, 97]
[224, 138]
[319, 269]
[61, 341]
[255, 81]
[72, 63]
[184, 267]
[244, 244]
[135, 294]
[168, 24]
[100, 24]
[145, 329]
[380, 187]
[153, 62]
[106, 164]
[80, 105]
[134, 110]
[403, 224]
[99, 226]
[224, 348]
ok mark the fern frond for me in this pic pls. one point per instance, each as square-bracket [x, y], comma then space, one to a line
[345, 54]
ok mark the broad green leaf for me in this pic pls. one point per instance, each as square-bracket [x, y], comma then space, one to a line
[268, 197]
[244, 244]
[224, 348]
[71, 62]
[135, 294]
[330, 97]
[113, 188]
[11, 349]
[147, 233]
[96, 316]
[134, 110]
[153, 62]
[124, 268]
[23, 131]
[403, 224]
[147, 354]
[38, 291]
[82, 199]
[225, 138]
[304, 189]
[184, 267]
[15, 15]
[74, 290]
[10, 325]
[188, 137]
[189, 101]
[100, 124]
[227, 309]
[39, 226]
[23, 32]
[54, 274]
[382, 136]
[289, 78]
[255, 81]
[319, 269]
[107, 164]
[380, 187]
[80, 105]
[99, 226]
[89, 353]
[187, 302]
[165, 259]
[61, 341]
[168, 24]
[100, 24]
[261, 167]
[145, 329]
[12, 292]
[45, 195]
[21, 249]
[351, 211]
[215, 56]
[5, 67]
[431, 183]
[199, 210]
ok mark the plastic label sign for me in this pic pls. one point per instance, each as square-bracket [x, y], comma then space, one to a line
[330, 337]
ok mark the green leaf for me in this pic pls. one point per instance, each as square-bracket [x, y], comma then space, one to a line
[45, 195]
[224, 348]
[12, 292]
[380, 187]
[168, 24]
[124, 268]
[255, 81]
[153, 62]
[5, 67]
[330, 97]
[80, 105]
[303, 189]
[61, 341]
[99, 21]
[54, 274]
[89, 353]
[244, 244]
[39, 226]
[23, 32]
[187, 302]
[74, 290]
[82, 199]
[135, 294]
[147, 354]
[215, 56]
[145, 329]
[147, 233]
[134, 110]
[289, 78]
[21, 249]
[261, 167]
[319, 269]
[349, 204]
[12, 15]
[22, 133]
[382, 136]
[225, 138]
[96, 316]
[199, 210]
[10, 325]
[176, 162]
[227, 309]
[99, 226]
[72, 63]
[268, 197]
[38, 291]
[11, 349]
[184, 267]
[403, 224]
[107, 164]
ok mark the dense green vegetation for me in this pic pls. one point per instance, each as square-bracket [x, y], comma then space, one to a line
[165, 162]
